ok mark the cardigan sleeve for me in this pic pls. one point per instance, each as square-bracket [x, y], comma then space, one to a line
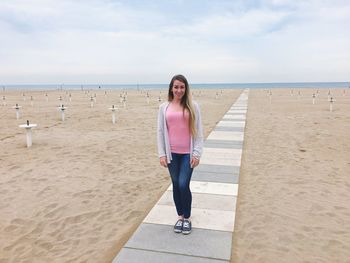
[198, 139]
[160, 132]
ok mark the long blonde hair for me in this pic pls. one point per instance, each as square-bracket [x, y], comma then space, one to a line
[186, 102]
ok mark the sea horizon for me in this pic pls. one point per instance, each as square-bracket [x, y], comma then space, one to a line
[150, 86]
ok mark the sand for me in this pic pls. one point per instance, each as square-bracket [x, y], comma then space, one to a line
[85, 184]
[294, 194]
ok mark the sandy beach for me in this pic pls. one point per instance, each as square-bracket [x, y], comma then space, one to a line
[85, 184]
[294, 196]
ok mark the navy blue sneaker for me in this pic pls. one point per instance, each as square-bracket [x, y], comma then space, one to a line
[187, 227]
[178, 226]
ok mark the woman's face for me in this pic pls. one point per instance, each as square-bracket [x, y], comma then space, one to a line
[178, 89]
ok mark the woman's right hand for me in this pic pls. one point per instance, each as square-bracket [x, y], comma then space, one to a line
[163, 161]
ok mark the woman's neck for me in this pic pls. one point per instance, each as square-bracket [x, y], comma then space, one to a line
[176, 102]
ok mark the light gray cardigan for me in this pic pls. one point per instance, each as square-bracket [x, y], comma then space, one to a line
[163, 137]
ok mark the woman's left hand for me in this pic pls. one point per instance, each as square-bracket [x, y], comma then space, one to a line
[194, 162]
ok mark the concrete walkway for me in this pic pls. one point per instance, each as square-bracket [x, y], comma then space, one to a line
[214, 189]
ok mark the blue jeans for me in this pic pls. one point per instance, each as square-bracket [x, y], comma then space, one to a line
[180, 171]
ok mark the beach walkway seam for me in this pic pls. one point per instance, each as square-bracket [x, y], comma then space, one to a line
[214, 188]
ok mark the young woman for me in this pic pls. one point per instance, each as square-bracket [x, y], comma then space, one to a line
[180, 143]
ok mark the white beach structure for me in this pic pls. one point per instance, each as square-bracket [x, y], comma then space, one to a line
[60, 99]
[92, 101]
[28, 128]
[331, 101]
[17, 107]
[113, 109]
[62, 108]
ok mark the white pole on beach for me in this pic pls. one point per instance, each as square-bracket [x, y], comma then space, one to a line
[270, 94]
[159, 99]
[47, 97]
[28, 128]
[291, 92]
[24, 97]
[113, 113]
[147, 98]
[3, 100]
[60, 99]
[70, 97]
[91, 101]
[313, 99]
[329, 94]
[216, 96]
[62, 109]
[120, 98]
[331, 101]
[31, 101]
[17, 110]
[124, 101]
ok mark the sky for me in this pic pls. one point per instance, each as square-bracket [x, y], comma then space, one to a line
[134, 41]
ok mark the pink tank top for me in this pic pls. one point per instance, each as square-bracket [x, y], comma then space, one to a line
[179, 131]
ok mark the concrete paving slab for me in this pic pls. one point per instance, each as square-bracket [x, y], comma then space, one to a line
[203, 201]
[223, 144]
[228, 142]
[229, 136]
[224, 156]
[229, 169]
[234, 129]
[215, 177]
[233, 120]
[234, 117]
[224, 152]
[201, 218]
[208, 158]
[220, 161]
[235, 112]
[201, 242]
[224, 123]
[132, 255]
[212, 188]
[242, 110]
[236, 107]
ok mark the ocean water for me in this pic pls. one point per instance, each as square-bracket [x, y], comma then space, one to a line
[292, 85]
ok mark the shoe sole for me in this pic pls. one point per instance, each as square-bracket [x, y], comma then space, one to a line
[186, 232]
[177, 231]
